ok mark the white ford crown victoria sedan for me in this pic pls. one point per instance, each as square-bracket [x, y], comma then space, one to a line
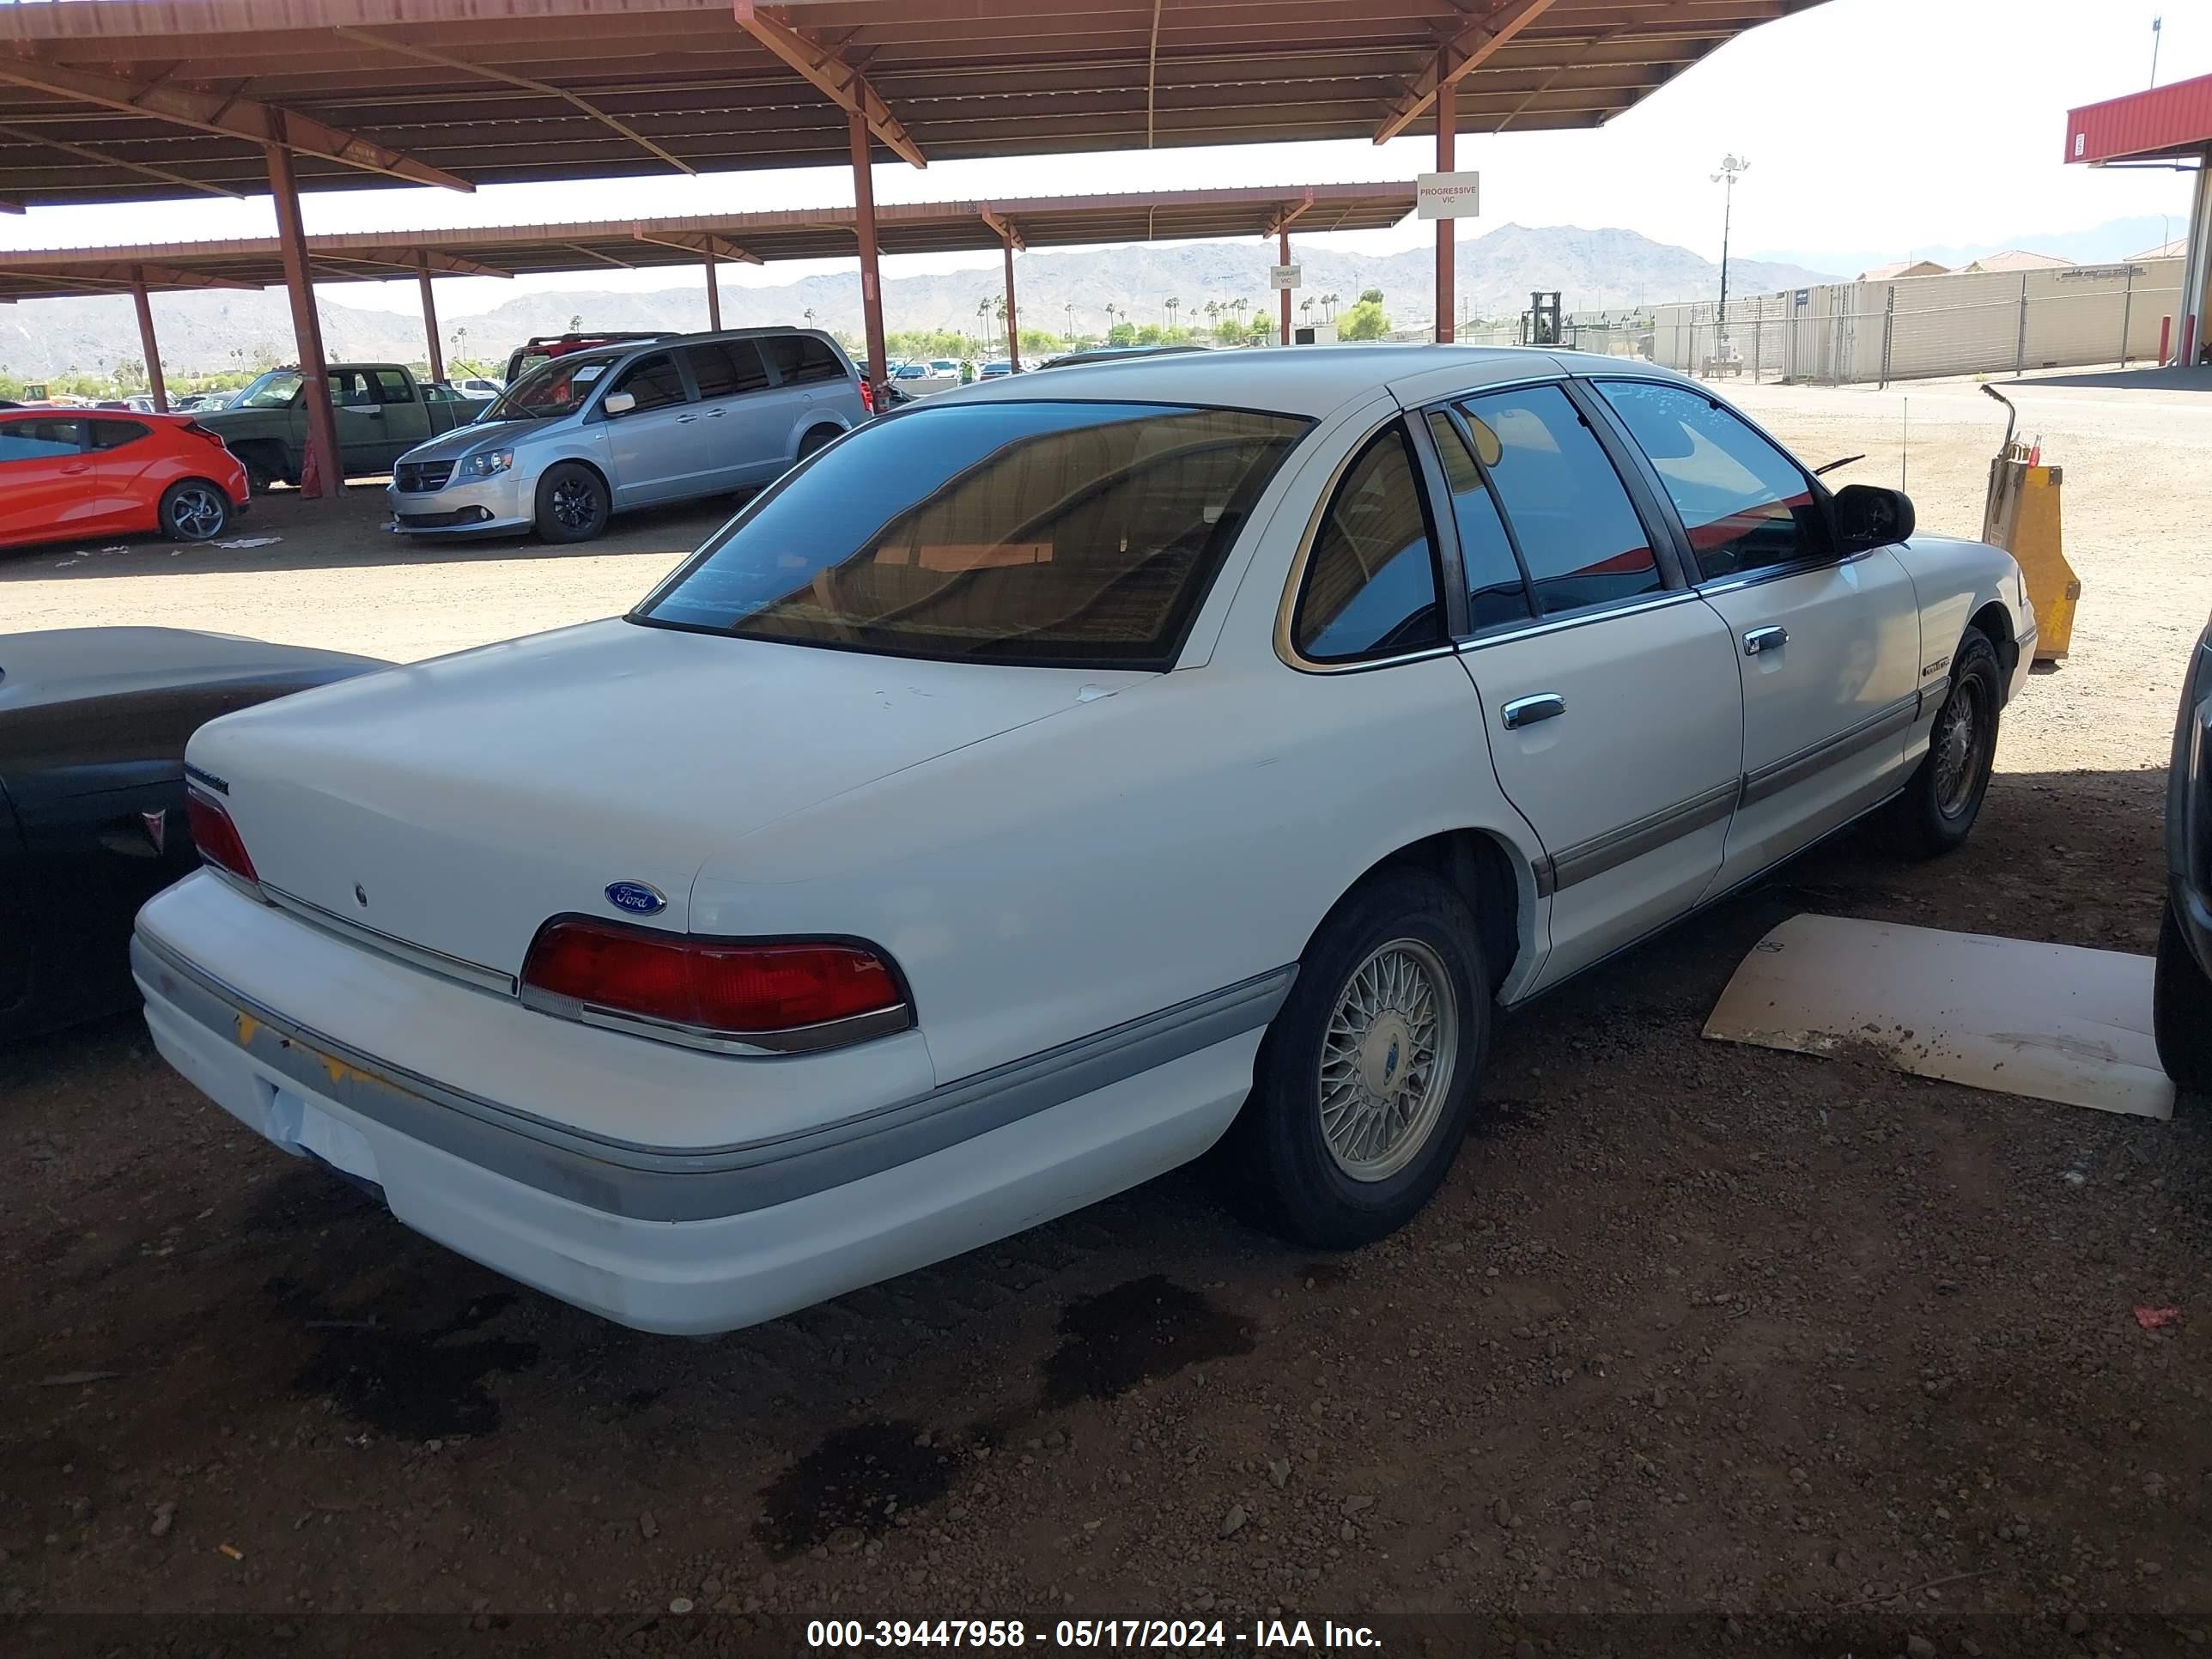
[1044, 782]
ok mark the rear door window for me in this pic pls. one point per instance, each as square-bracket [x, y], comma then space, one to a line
[1497, 593]
[1745, 505]
[392, 386]
[726, 368]
[1571, 515]
[654, 382]
[43, 439]
[113, 435]
[799, 359]
[1370, 585]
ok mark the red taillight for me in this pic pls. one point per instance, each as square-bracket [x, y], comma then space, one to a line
[216, 837]
[708, 985]
[867, 394]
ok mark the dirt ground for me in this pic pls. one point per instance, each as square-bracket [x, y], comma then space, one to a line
[1808, 1356]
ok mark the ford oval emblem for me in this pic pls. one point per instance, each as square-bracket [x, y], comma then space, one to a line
[636, 897]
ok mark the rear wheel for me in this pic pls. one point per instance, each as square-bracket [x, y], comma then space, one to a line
[195, 510]
[1938, 810]
[817, 440]
[1368, 1076]
[572, 503]
[2181, 1010]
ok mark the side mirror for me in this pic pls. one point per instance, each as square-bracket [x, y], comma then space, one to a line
[1868, 516]
[618, 402]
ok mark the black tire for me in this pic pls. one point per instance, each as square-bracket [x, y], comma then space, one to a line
[195, 510]
[2181, 1010]
[818, 440]
[1939, 805]
[264, 471]
[1306, 1188]
[573, 504]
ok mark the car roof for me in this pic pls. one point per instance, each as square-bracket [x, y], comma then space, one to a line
[1309, 380]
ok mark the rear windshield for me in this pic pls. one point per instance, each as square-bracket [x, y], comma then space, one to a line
[1037, 533]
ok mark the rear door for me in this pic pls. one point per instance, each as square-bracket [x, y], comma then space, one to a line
[1609, 692]
[1828, 648]
[744, 432]
[46, 476]
[362, 445]
[655, 449]
[406, 418]
[810, 375]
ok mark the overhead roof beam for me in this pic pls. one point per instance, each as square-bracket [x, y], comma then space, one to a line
[424, 54]
[697, 242]
[226, 116]
[117, 274]
[604, 259]
[831, 74]
[86, 153]
[1009, 232]
[1290, 214]
[1462, 55]
[407, 260]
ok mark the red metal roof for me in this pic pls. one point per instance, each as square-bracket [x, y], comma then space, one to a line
[2165, 121]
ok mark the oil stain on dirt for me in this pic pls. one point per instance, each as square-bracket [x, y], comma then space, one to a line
[416, 1385]
[858, 1478]
[1136, 1332]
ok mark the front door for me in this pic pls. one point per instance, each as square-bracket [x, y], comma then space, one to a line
[1609, 692]
[362, 445]
[1828, 648]
[657, 447]
[46, 477]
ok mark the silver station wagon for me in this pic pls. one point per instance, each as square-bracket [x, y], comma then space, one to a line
[597, 433]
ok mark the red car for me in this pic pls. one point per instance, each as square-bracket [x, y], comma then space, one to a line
[67, 473]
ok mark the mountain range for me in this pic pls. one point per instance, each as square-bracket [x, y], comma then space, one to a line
[1593, 269]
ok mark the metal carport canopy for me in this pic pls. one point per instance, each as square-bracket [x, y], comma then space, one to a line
[110, 100]
[801, 233]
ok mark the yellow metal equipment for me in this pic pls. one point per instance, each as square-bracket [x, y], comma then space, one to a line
[2021, 516]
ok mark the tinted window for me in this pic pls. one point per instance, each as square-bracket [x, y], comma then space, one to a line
[1495, 593]
[653, 381]
[392, 387]
[1371, 582]
[41, 440]
[1018, 533]
[556, 387]
[801, 357]
[350, 389]
[1745, 503]
[1571, 515]
[724, 368]
[113, 435]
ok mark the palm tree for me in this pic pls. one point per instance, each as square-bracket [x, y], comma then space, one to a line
[1328, 308]
[1239, 305]
[1174, 305]
[575, 322]
[1305, 307]
[1071, 322]
[1212, 312]
[983, 316]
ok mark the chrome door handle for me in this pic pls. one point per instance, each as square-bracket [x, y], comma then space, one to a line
[714, 414]
[1760, 640]
[685, 420]
[1527, 711]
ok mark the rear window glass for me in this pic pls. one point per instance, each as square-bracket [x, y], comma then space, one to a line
[724, 368]
[113, 435]
[1016, 532]
[799, 358]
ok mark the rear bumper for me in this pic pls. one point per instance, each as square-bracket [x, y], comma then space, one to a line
[680, 1240]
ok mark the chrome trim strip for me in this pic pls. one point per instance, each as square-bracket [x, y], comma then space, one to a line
[1793, 770]
[1581, 618]
[660, 1183]
[483, 977]
[804, 1039]
[199, 775]
[1615, 848]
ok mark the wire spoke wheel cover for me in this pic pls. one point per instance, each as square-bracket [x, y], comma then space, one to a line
[1387, 1059]
[1961, 735]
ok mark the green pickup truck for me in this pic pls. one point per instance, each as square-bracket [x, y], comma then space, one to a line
[382, 411]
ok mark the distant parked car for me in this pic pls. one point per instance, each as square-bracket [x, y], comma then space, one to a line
[476, 385]
[920, 379]
[2183, 1004]
[379, 409]
[592, 433]
[1044, 782]
[93, 819]
[997, 369]
[67, 473]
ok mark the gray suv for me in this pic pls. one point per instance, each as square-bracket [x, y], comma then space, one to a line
[595, 433]
[2183, 1006]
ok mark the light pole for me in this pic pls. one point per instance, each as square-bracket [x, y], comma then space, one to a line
[1732, 167]
[2157, 27]
[1071, 322]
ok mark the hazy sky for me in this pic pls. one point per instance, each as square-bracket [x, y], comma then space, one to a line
[1870, 125]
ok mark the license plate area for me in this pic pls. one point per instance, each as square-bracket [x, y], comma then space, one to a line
[298, 1125]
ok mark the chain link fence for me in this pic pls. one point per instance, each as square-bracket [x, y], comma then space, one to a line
[1924, 327]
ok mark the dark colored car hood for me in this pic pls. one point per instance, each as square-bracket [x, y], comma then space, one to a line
[76, 702]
